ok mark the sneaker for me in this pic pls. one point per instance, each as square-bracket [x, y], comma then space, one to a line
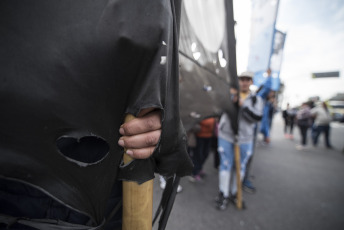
[234, 200]
[248, 186]
[286, 136]
[219, 197]
[291, 137]
[163, 185]
[267, 140]
[179, 189]
[195, 178]
[202, 174]
[221, 202]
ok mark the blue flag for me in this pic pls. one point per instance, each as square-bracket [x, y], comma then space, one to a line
[262, 41]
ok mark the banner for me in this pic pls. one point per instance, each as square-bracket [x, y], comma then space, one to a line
[276, 58]
[263, 20]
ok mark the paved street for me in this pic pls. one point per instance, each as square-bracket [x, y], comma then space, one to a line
[295, 190]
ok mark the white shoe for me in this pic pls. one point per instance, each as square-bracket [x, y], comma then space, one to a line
[163, 186]
[162, 182]
[180, 188]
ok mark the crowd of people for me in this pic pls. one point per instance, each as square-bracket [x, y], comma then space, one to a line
[315, 118]
[218, 134]
[256, 111]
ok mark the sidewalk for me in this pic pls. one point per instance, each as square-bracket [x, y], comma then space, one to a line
[295, 190]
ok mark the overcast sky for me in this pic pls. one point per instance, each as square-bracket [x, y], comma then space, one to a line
[314, 43]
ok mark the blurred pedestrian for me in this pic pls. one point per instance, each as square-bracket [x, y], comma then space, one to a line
[200, 155]
[213, 147]
[263, 92]
[322, 119]
[192, 141]
[285, 116]
[251, 111]
[272, 110]
[267, 116]
[304, 121]
[289, 115]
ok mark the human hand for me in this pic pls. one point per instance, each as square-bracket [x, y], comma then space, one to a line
[268, 71]
[234, 94]
[142, 134]
[241, 102]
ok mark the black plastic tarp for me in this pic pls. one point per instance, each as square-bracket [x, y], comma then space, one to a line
[70, 71]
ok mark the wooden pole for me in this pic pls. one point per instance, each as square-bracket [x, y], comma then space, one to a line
[237, 169]
[137, 201]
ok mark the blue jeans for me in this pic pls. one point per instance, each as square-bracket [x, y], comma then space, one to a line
[318, 130]
[226, 172]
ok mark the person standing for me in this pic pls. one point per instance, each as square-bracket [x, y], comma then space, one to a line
[289, 115]
[203, 143]
[272, 111]
[285, 116]
[303, 117]
[264, 92]
[322, 119]
[214, 144]
[267, 116]
[250, 112]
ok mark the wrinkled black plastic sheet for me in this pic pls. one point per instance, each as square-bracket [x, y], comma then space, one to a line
[70, 70]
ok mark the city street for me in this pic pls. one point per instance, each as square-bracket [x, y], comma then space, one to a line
[295, 189]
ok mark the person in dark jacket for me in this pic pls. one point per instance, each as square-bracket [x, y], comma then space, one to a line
[303, 117]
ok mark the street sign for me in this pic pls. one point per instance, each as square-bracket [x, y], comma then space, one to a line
[325, 74]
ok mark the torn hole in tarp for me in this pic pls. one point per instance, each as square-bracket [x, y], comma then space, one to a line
[84, 150]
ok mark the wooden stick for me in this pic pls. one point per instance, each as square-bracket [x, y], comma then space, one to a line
[237, 169]
[137, 200]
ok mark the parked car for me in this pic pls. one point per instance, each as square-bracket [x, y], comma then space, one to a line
[337, 110]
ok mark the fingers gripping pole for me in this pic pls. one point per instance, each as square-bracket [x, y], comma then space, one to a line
[137, 200]
[238, 168]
